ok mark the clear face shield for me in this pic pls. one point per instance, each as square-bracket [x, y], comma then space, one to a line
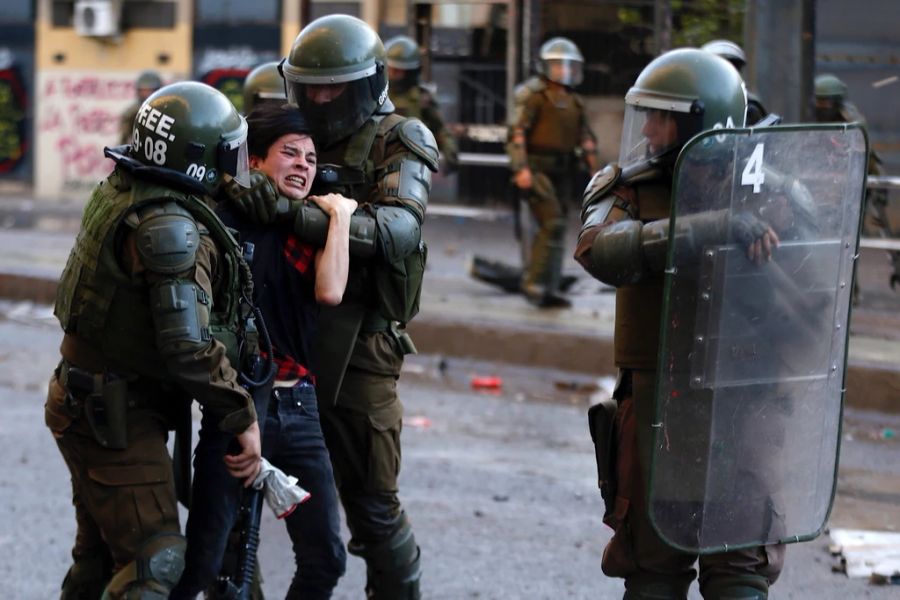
[564, 71]
[234, 158]
[649, 133]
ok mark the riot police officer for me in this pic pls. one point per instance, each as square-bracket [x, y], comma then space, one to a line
[336, 76]
[263, 84]
[412, 98]
[548, 136]
[153, 305]
[623, 243]
[736, 56]
[833, 106]
[146, 83]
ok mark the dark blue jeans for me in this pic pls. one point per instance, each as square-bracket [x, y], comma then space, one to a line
[293, 442]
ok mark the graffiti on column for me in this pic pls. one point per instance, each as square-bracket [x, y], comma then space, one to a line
[13, 104]
[78, 114]
[226, 68]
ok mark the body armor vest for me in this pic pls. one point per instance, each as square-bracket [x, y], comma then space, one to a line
[557, 123]
[108, 308]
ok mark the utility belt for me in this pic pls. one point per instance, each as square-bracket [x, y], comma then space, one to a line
[551, 160]
[103, 400]
[374, 322]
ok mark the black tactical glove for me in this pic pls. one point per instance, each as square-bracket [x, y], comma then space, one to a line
[259, 204]
[747, 228]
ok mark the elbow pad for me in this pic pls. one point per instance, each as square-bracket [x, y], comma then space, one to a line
[181, 316]
[617, 257]
[399, 232]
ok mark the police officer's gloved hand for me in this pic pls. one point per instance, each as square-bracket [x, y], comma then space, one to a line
[260, 204]
[747, 228]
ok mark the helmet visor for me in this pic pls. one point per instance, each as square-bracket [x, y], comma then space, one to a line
[234, 159]
[649, 133]
[564, 71]
[334, 110]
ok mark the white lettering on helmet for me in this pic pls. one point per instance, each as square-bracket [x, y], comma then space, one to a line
[383, 96]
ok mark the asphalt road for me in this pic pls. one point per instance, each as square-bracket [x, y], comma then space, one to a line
[500, 487]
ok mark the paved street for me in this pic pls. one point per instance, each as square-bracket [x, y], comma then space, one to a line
[500, 487]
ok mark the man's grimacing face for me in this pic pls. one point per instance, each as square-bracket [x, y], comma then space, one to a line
[290, 163]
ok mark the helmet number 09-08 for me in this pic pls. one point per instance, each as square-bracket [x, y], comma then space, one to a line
[753, 173]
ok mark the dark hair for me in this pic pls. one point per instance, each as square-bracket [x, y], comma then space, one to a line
[269, 121]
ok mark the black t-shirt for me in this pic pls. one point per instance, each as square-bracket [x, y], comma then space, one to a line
[283, 288]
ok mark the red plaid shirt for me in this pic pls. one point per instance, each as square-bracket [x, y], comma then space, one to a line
[301, 256]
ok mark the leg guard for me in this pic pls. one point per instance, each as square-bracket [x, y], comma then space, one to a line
[656, 588]
[393, 569]
[153, 573]
[87, 577]
[738, 587]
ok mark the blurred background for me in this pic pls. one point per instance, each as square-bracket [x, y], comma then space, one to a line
[68, 67]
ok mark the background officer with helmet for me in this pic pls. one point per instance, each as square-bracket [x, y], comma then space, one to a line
[263, 84]
[832, 106]
[336, 75]
[146, 83]
[412, 98]
[548, 137]
[153, 305]
[623, 243]
[736, 56]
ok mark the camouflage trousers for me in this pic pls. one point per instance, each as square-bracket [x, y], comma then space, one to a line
[122, 498]
[548, 201]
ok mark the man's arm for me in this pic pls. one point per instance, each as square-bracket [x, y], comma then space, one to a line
[179, 265]
[333, 260]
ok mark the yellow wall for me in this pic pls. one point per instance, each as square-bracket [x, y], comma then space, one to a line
[82, 87]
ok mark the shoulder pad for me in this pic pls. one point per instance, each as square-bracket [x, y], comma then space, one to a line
[601, 183]
[528, 88]
[167, 237]
[420, 140]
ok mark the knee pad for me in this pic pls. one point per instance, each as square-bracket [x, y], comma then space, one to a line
[156, 568]
[392, 566]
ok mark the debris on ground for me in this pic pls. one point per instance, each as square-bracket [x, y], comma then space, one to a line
[872, 554]
[487, 382]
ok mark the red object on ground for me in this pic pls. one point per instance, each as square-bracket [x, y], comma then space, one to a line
[487, 383]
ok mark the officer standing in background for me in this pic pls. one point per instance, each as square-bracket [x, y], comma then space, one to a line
[147, 83]
[412, 98]
[549, 136]
[623, 243]
[263, 84]
[336, 75]
[152, 305]
[736, 56]
[832, 106]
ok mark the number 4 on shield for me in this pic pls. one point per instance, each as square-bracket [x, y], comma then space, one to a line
[753, 173]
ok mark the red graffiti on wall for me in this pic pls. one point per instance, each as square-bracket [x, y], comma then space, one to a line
[80, 160]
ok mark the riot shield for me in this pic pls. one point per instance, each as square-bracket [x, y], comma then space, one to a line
[752, 355]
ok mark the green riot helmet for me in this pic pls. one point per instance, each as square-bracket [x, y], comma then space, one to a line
[336, 75]
[830, 94]
[727, 50]
[263, 84]
[561, 62]
[404, 62]
[192, 129]
[676, 96]
[147, 83]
